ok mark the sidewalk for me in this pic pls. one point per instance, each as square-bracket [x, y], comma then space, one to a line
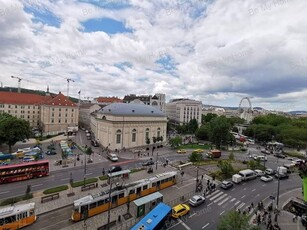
[175, 192]
[285, 221]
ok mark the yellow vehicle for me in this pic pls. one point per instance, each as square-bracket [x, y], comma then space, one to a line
[181, 151]
[180, 210]
[91, 205]
[18, 216]
[198, 151]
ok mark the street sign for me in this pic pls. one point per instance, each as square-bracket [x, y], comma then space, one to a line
[272, 197]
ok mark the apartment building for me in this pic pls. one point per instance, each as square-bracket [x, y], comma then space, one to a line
[181, 111]
[51, 114]
[106, 100]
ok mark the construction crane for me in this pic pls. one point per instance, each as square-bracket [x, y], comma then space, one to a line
[68, 80]
[19, 80]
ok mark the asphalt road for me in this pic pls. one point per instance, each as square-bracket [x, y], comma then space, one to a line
[240, 196]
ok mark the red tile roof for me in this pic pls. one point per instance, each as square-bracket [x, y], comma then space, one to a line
[109, 100]
[34, 99]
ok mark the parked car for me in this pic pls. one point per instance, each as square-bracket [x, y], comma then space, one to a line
[198, 151]
[269, 172]
[281, 176]
[259, 172]
[114, 169]
[113, 157]
[297, 162]
[226, 184]
[279, 155]
[197, 200]
[261, 158]
[180, 210]
[181, 151]
[149, 162]
[50, 153]
[94, 143]
[266, 178]
[304, 219]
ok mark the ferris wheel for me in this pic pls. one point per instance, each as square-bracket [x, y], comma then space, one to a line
[245, 109]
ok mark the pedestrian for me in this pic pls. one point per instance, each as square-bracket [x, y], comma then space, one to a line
[258, 219]
[208, 182]
[239, 211]
[202, 177]
[252, 205]
[103, 172]
[294, 218]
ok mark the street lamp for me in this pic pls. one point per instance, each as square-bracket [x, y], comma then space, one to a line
[157, 161]
[84, 168]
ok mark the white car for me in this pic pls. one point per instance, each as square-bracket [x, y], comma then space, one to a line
[269, 172]
[266, 178]
[259, 172]
[197, 200]
[261, 158]
[113, 157]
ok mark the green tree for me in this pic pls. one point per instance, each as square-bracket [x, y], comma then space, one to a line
[234, 220]
[13, 129]
[207, 118]
[193, 125]
[203, 132]
[219, 131]
[225, 167]
[231, 156]
[176, 141]
[89, 151]
[195, 157]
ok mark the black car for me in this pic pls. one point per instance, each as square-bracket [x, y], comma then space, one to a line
[148, 163]
[278, 155]
[114, 169]
[50, 153]
[304, 219]
[94, 143]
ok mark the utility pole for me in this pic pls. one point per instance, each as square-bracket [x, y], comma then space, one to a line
[157, 161]
[110, 202]
[84, 168]
[196, 189]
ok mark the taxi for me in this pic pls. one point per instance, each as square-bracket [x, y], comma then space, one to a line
[198, 151]
[180, 210]
[181, 151]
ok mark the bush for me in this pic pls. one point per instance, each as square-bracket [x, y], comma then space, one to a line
[81, 183]
[55, 189]
[136, 170]
[103, 177]
[295, 154]
[16, 199]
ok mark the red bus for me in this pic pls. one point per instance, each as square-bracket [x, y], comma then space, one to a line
[24, 171]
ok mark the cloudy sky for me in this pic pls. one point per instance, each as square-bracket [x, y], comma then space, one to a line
[216, 51]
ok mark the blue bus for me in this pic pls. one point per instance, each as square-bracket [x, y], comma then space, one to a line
[155, 219]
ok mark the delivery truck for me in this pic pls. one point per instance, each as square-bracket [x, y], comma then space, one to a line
[236, 178]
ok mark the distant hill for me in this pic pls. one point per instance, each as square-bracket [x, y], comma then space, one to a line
[298, 112]
[39, 92]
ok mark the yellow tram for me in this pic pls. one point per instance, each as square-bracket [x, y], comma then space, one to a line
[94, 204]
[18, 216]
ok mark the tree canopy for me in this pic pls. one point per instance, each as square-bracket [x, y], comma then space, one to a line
[234, 220]
[13, 129]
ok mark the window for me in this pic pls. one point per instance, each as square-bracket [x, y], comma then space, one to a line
[66, 110]
[28, 112]
[15, 106]
[15, 111]
[52, 114]
[93, 205]
[72, 114]
[59, 120]
[65, 114]
[118, 136]
[134, 135]
[72, 110]
[33, 111]
[28, 107]
[132, 191]
[101, 202]
[121, 195]
[28, 117]
[60, 109]
[59, 114]
[9, 106]
[147, 134]
[145, 187]
[52, 109]
[158, 132]
[65, 120]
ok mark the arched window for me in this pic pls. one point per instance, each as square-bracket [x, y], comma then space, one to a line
[147, 134]
[158, 132]
[118, 136]
[134, 135]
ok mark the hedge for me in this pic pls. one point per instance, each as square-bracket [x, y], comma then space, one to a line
[81, 183]
[55, 189]
[103, 177]
[295, 154]
[16, 199]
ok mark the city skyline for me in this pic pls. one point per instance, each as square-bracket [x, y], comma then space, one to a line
[213, 51]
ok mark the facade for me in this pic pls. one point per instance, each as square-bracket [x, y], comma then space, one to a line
[52, 114]
[181, 111]
[158, 100]
[106, 100]
[85, 111]
[122, 125]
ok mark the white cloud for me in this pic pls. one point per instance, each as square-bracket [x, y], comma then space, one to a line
[222, 50]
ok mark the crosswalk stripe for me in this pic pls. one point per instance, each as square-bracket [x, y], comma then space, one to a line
[212, 194]
[223, 201]
[212, 198]
[241, 205]
[221, 197]
[233, 199]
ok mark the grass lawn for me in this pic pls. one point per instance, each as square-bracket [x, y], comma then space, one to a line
[16, 199]
[194, 146]
[81, 183]
[55, 189]
[295, 154]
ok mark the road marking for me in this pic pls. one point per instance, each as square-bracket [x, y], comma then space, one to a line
[222, 212]
[212, 198]
[89, 174]
[253, 190]
[240, 206]
[65, 178]
[221, 197]
[4, 192]
[36, 185]
[192, 215]
[184, 225]
[210, 204]
[212, 193]
[242, 197]
[258, 194]
[263, 185]
[205, 226]
[233, 199]
[223, 201]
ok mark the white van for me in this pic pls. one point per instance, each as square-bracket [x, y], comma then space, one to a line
[236, 178]
[113, 157]
[247, 174]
